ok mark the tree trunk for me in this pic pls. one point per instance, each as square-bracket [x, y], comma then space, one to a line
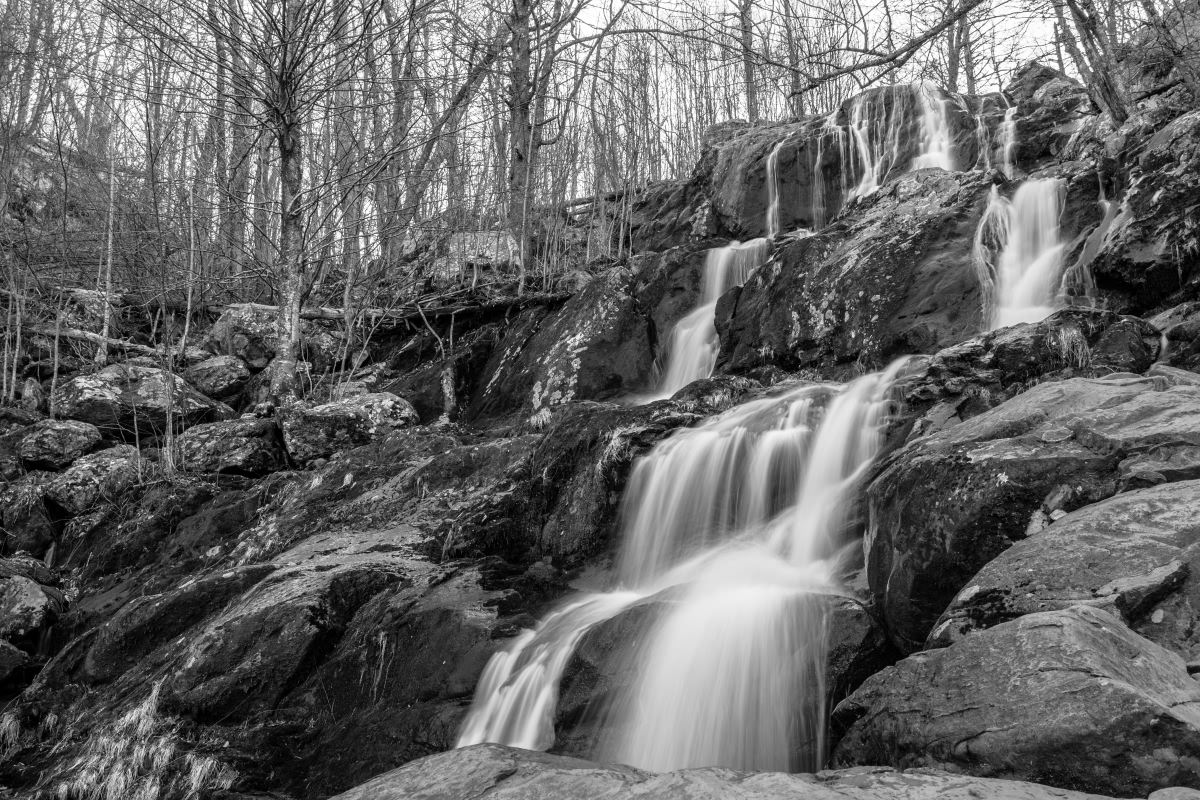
[291, 261]
[746, 26]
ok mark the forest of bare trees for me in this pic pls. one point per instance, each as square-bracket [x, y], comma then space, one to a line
[359, 154]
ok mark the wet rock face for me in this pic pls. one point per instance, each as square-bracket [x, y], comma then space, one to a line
[947, 504]
[319, 432]
[1050, 108]
[492, 771]
[669, 286]
[1065, 698]
[241, 446]
[596, 346]
[1154, 246]
[129, 401]
[55, 444]
[1137, 555]
[894, 279]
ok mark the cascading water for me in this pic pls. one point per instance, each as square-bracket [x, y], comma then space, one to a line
[691, 352]
[1008, 140]
[1023, 283]
[746, 517]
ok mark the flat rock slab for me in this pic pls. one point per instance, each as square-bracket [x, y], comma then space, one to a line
[1067, 698]
[1137, 554]
[493, 771]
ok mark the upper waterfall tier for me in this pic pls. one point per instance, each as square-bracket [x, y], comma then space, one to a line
[777, 178]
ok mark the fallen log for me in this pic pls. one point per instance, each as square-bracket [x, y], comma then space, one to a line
[413, 313]
[94, 338]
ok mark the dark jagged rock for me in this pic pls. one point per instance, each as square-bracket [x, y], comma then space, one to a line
[595, 346]
[491, 771]
[669, 286]
[949, 503]
[312, 433]
[896, 278]
[27, 523]
[1153, 245]
[423, 385]
[131, 401]
[220, 377]
[1067, 698]
[1135, 555]
[55, 444]
[241, 446]
[1049, 109]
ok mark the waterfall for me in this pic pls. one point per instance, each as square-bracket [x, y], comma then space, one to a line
[773, 190]
[936, 142]
[1008, 140]
[746, 517]
[1023, 283]
[691, 352]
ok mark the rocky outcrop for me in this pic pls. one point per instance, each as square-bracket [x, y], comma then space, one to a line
[131, 401]
[55, 444]
[241, 446]
[1136, 555]
[220, 377]
[596, 346]
[249, 332]
[492, 771]
[1067, 698]
[312, 433]
[894, 279]
[949, 503]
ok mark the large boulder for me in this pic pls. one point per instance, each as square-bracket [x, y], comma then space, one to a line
[946, 504]
[129, 401]
[101, 475]
[1068, 698]
[492, 772]
[26, 521]
[241, 446]
[596, 346]
[312, 433]
[968, 378]
[895, 278]
[55, 444]
[1136, 555]
[220, 377]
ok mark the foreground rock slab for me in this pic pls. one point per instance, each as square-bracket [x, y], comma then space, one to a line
[1136, 554]
[1067, 698]
[492, 771]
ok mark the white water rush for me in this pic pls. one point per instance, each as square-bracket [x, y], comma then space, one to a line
[1019, 255]
[692, 349]
[735, 531]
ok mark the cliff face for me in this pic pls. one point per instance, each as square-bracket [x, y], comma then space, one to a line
[311, 600]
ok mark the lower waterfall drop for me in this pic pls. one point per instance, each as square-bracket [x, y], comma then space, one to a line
[1022, 284]
[745, 520]
[691, 352]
